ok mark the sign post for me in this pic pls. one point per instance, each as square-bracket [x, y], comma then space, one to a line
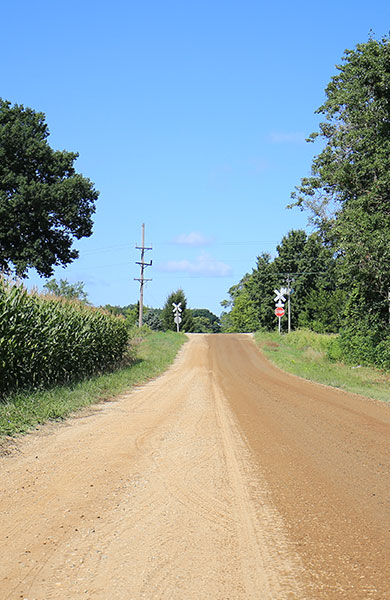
[177, 318]
[279, 304]
[279, 312]
[280, 299]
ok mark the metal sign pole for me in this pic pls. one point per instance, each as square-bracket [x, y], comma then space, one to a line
[288, 302]
[280, 300]
[177, 318]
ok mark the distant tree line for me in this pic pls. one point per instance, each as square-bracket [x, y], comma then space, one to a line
[196, 320]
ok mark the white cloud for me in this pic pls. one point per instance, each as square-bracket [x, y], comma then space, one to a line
[289, 137]
[205, 266]
[193, 239]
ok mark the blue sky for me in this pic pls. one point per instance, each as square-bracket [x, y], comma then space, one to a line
[188, 117]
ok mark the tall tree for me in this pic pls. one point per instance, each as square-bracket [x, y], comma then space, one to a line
[260, 289]
[348, 193]
[242, 315]
[73, 291]
[44, 203]
[167, 313]
[349, 190]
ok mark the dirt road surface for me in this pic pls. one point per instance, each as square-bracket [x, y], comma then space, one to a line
[224, 479]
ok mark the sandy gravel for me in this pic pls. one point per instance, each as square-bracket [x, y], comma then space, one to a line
[224, 479]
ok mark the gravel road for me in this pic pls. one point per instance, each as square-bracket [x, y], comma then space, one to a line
[224, 479]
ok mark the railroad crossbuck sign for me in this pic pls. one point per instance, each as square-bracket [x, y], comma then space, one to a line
[176, 311]
[280, 299]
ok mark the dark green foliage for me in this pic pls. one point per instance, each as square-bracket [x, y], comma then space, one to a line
[44, 203]
[340, 276]
[260, 288]
[348, 195]
[323, 310]
[355, 161]
[168, 316]
[351, 175]
[334, 350]
[131, 313]
[315, 300]
[204, 321]
[153, 319]
[359, 343]
[364, 337]
[48, 340]
[243, 304]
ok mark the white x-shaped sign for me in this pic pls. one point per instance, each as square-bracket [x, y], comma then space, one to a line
[279, 295]
[176, 307]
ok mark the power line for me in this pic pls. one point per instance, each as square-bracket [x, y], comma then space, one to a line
[125, 245]
[299, 273]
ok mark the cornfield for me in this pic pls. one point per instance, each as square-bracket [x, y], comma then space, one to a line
[45, 340]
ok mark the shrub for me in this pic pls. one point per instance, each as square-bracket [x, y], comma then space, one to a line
[359, 340]
[334, 351]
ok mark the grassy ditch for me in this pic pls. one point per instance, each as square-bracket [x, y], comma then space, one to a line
[314, 356]
[22, 412]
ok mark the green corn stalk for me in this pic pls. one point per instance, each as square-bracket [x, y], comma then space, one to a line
[46, 340]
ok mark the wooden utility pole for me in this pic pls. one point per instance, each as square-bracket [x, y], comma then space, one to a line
[142, 279]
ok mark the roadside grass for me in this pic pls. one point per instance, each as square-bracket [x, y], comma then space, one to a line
[306, 354]
[154, 352]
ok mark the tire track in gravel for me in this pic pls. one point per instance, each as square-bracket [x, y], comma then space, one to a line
[152, 496]
[257, 537]
[325, 455]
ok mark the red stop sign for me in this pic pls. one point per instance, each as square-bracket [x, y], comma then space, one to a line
[279, 311]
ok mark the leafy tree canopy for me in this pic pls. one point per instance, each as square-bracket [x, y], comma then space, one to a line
[201, 325]
[205, 321]
[311, 267]
[348, 193]
[73, 291]
[44, 203]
